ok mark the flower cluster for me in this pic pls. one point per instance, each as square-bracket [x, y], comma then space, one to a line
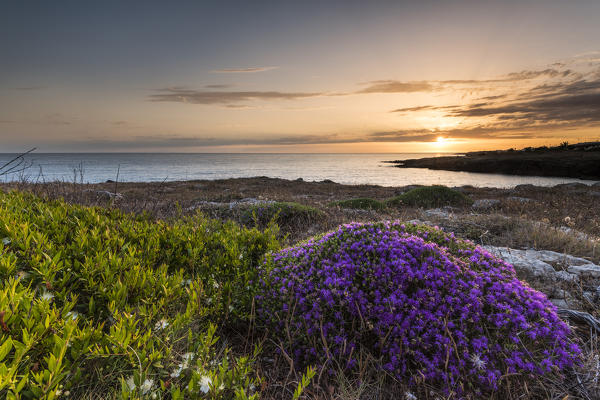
[432, 308]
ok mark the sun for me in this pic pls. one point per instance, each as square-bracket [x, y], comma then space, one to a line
[440, 140]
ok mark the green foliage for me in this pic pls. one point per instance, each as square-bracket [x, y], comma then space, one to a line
[95, 298]
[303, 384]
[284, 214]
[430, 196]
[359, 204]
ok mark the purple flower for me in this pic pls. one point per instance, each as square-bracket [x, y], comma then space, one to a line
[422, 301]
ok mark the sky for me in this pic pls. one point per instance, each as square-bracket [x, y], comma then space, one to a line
[297, 76]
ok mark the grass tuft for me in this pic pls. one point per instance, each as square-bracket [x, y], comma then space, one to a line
[359, 204]
[430, 196]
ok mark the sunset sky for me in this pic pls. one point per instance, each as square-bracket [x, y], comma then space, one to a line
[297, 76]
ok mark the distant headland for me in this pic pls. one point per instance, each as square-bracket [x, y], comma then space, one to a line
[580, 160]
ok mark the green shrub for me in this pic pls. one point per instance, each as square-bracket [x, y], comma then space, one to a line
[359, 204]
[430, 196]
[283, 214]
[95, 299]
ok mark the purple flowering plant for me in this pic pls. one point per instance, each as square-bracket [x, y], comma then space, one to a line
[432, 308]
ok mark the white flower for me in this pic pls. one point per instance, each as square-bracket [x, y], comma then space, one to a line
[162, 324]
[409, 396]
[147, 386]
[73, 314]
[47, 295]
[205, 383]
[177, 372]
[477, 361]
[187, 357]
[130, 383]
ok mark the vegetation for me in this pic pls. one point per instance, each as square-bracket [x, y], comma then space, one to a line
[363, 203]
[94, 300]
[431, 309]
[430, 196]
[283, 213]
[98, 303]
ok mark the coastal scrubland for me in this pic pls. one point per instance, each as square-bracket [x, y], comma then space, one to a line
[241, 288]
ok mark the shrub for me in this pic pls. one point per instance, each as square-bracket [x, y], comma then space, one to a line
[94, 299]
[432, 309]
[430, 196]
[284, 214]
[359, 204]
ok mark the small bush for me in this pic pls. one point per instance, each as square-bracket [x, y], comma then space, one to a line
[284, 214]
[359, 204]
[430, 196]
[95, 300]
[434, 310]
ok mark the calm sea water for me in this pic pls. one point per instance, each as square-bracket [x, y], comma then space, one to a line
[341, 168]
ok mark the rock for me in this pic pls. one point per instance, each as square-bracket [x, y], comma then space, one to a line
[565, 276]
[105, 194]
[247, 202]
[519, 199]
[527, 266]
[299, 180]
[437, 212]
[546, 265]
[560, 303]
[327, 181]
[586, 270]
[485, 204]
[109, 181]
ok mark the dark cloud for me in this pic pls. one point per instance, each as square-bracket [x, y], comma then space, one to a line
[426, 135]
[191, 96]
[243, 70]
[577, 101]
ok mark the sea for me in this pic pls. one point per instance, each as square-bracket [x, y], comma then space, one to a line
[352, 169]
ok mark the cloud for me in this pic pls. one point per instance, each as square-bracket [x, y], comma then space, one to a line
[243, 70]
[225, 97]
[218, 86]
[567, 102]
[412, 109]
[391, 86]
[176, 141]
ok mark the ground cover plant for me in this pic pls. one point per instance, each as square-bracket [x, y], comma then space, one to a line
[285, 214]
[93, 300]
[435, 311]
[430, 196]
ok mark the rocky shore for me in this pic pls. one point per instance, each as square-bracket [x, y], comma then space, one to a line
[580, 161]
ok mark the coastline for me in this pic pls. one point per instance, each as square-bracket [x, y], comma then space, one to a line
[580, 161]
